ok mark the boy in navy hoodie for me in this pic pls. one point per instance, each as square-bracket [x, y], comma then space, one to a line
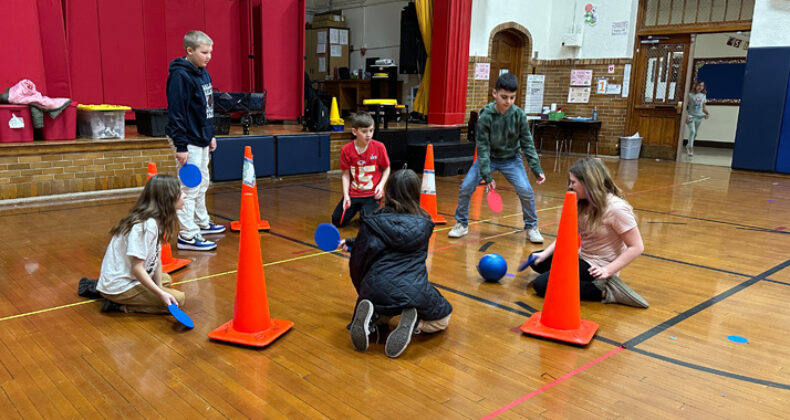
[190, 107]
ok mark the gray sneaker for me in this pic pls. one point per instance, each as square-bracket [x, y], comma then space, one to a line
[360, 326]
[534, 236]
[458, 231]
[400, 337]
[616, 291]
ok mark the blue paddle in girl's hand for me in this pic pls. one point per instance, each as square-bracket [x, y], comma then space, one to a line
[327, 237]
[528, 262]
[181, 316]
[190, 175]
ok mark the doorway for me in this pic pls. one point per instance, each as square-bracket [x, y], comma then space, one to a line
[657, 101]
[507, 54]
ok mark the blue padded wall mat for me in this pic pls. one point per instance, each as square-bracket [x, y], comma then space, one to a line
[302, 154]
[762, 108]
[227, 160]
[783, 154]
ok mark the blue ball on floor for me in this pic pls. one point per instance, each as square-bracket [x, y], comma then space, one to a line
[492, 267]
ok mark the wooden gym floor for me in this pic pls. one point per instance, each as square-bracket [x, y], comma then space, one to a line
[716, 264]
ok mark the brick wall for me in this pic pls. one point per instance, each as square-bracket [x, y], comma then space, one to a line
[612, 109]
[33, 169]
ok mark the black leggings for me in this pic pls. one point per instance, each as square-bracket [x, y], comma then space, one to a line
[366, 204]
[587, 290]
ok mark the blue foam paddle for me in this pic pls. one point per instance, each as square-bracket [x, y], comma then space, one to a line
[190, 175]
[528, 262]
[181, 316]
[327, 237]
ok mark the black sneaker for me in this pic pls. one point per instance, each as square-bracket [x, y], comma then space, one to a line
[400, 337]
[110, 306]
[87, 288]
[360, 325]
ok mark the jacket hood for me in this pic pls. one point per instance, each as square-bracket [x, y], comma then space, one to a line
[183, 64]
[401, 232]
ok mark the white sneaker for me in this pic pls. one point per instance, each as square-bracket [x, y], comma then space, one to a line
[458, 231]
[534, 236]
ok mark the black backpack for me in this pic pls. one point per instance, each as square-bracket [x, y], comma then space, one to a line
[316, 112]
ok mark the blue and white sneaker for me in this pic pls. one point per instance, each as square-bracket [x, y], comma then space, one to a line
[196, 244]
[211, 229]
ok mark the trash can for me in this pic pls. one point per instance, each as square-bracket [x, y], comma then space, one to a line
[630, 147]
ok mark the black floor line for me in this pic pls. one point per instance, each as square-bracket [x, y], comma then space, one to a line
[782, 232]
[783, 283]
[482, 300]
[703, 219]
[630, 344]
[711, 370]
[702, 306]
[485, 246]
[720, 270]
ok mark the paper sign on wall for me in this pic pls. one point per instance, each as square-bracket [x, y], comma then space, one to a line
[581, 77]
[482, 71]
[611, 68]
[334, 36]
[626, 79]
[600, 86]
[534, 100]
[322, 37]
[578, 95]
[336, 50]
[320, 48]
[612, 89]
[343, 37]
[620, 28]
[321, 64]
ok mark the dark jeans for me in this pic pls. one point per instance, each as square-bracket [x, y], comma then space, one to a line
[366, 204]
[587, 289]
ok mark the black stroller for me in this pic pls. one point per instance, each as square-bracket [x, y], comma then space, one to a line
[251, 105]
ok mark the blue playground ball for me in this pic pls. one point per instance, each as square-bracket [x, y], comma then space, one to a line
[492, 267]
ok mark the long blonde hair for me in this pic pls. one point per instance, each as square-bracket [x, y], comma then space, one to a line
[598, 184]
[158, 201]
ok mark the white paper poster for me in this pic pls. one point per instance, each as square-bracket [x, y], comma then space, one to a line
[620, 28]
[343, 37]
[336, 50]
[612, 89]
[535, 87]
[321, 64]
[581, 77]
[626, 79]
[322, 37]
[482, 71]
[578, 95]
[600, 86]
[320, 48]
[334, 36]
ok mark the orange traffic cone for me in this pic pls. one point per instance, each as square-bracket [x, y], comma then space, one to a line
[151, 170]
[561, 318]
[249, 165]
[251, 324]
[428, 193]
[169, 264]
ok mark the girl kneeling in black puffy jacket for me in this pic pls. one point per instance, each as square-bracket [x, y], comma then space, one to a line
[388, 269]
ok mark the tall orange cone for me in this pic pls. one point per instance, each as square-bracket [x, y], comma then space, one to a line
[249, 165]
[169, 264]
[428, 190]
[561, 318]
[251, 324]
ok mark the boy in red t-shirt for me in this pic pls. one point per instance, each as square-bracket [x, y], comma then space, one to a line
[365, 167]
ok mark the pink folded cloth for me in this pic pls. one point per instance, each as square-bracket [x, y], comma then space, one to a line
[25, 93]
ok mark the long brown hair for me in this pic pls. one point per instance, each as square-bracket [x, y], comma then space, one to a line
[402, 193]
[158, 201]
[598, 184]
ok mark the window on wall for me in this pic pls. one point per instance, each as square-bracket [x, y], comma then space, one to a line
[660, 13]
[664, 74]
